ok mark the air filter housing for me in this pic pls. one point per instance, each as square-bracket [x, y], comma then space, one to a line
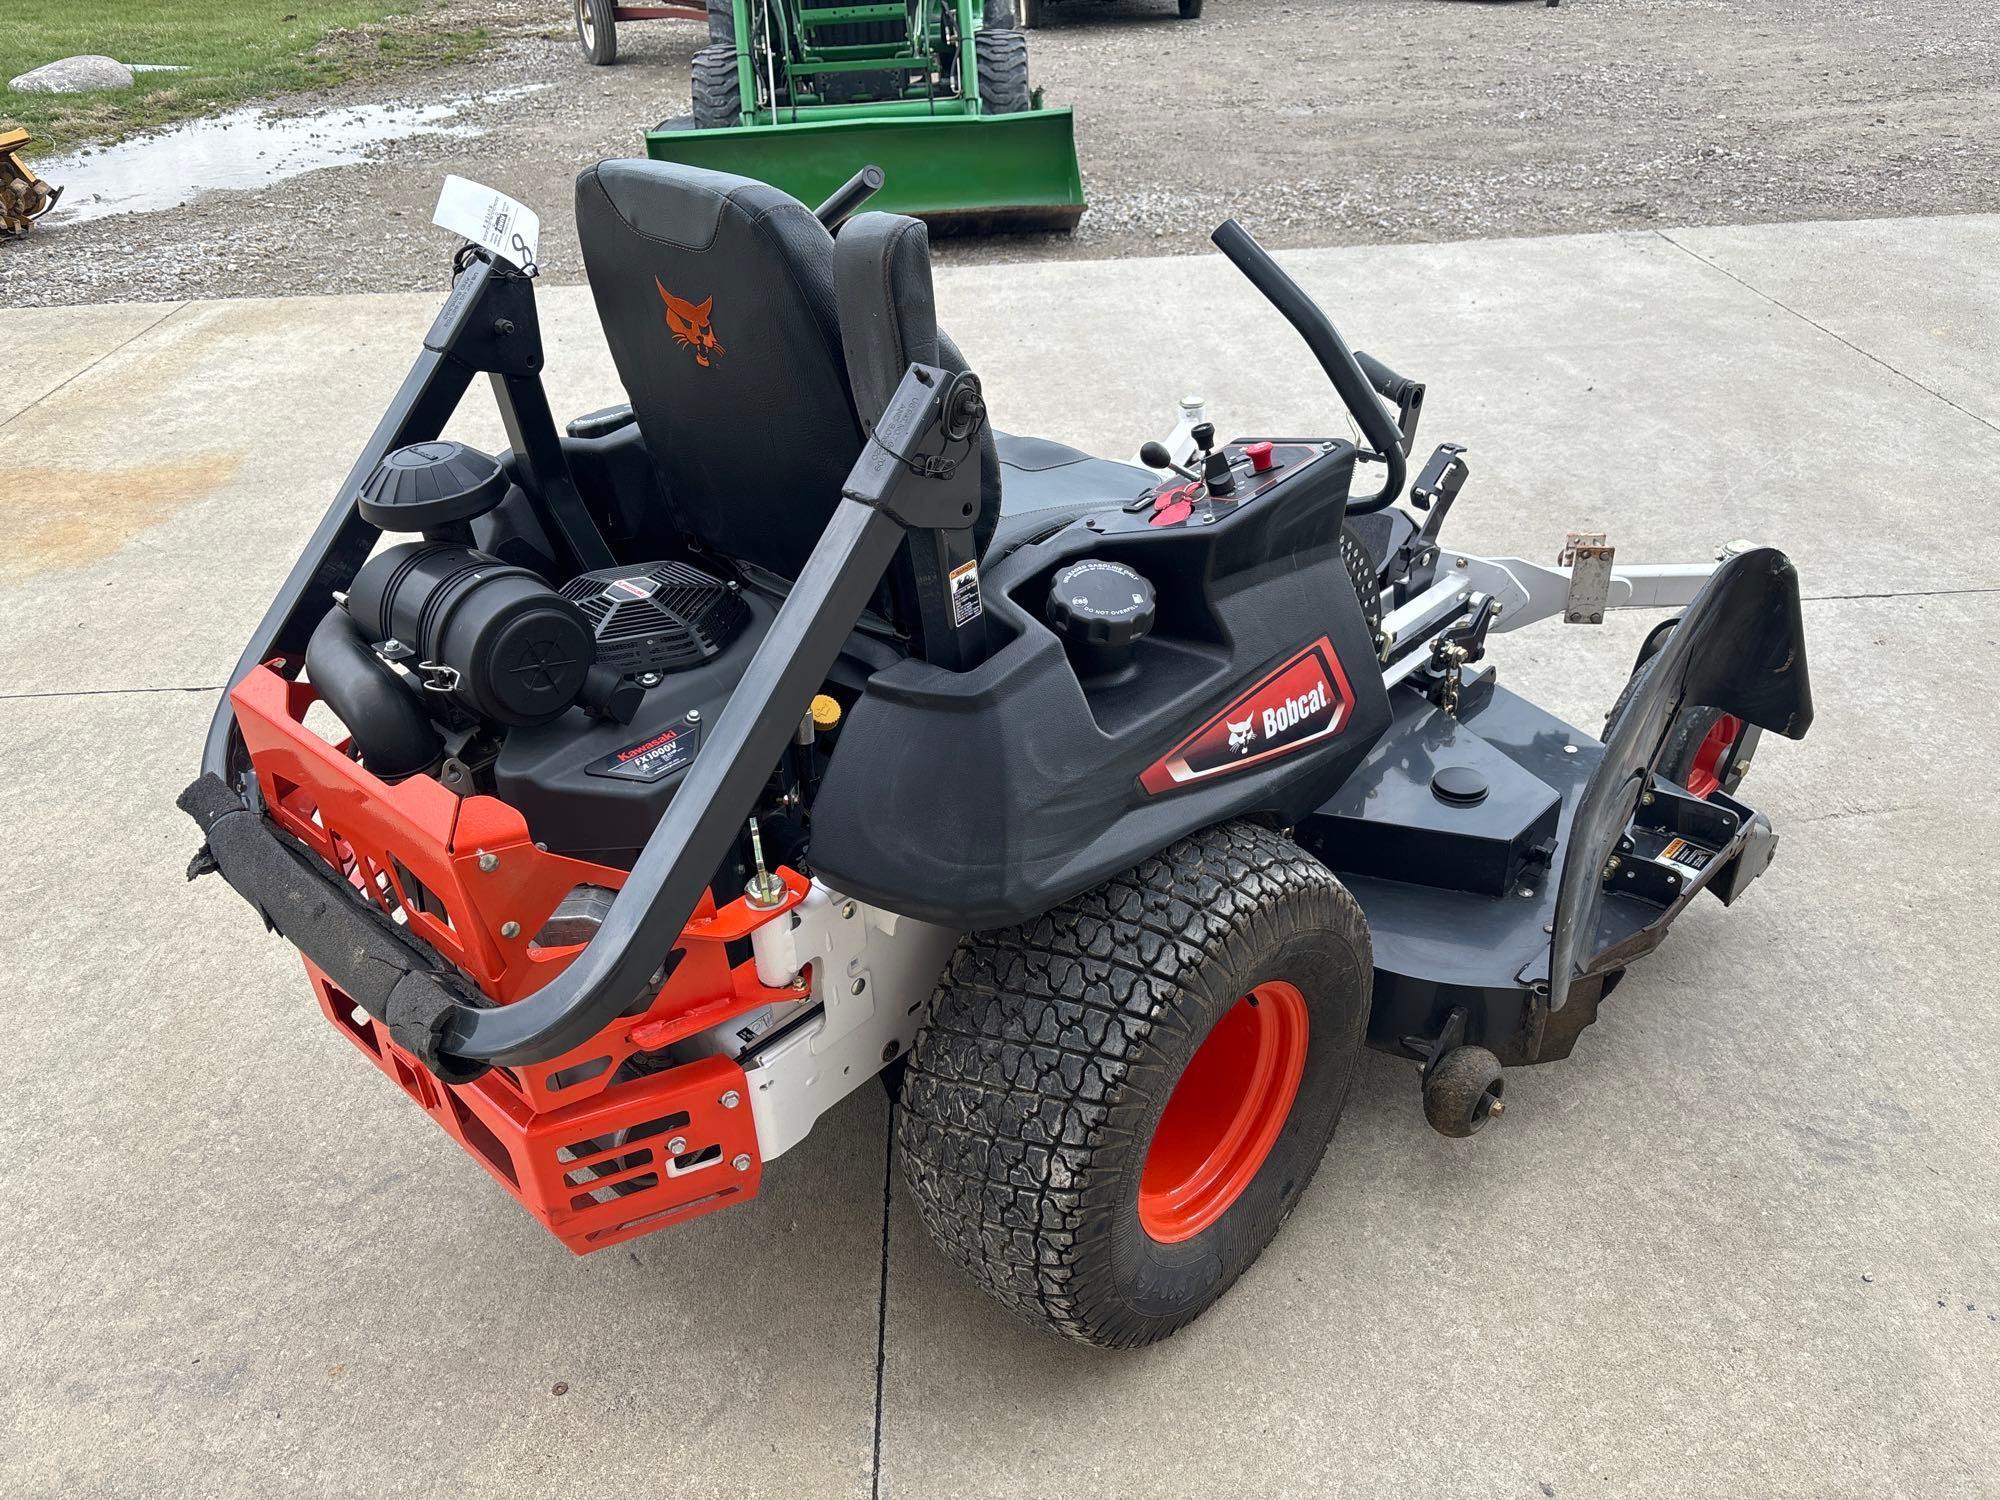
[659, 617]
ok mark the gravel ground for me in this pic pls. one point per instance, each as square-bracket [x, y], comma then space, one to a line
[1331, 122]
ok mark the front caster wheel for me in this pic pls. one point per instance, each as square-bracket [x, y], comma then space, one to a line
[1462, 1092]
[1112, 1108]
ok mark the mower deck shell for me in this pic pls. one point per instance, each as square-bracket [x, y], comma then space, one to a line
[1441, 947]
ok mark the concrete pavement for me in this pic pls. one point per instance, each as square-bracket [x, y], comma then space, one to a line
[1742, 1244]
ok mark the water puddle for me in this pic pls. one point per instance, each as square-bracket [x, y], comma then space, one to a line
[251, 147]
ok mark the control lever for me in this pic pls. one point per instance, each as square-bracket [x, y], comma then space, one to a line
[848, 198]
[1334, 357]
[1216, 474]
[1155, 456]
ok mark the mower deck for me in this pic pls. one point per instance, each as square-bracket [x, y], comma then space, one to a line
[1450, 834]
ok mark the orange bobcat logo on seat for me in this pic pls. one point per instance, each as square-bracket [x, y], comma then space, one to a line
[688, 322]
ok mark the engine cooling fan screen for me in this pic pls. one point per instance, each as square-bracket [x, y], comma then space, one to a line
[657, 618]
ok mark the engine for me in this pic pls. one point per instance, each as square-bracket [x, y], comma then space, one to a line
[582, 706]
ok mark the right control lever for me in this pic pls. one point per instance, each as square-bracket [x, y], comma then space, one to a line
[1335, 358]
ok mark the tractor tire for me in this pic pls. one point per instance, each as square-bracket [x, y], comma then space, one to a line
[1111, 1109]
[716, 90]
[722, 23]
[1002, 57]
[596, 32]
[998, 16]
[1701, 740]
[1190, 10]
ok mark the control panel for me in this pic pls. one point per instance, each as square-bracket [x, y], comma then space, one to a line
[1231, 477]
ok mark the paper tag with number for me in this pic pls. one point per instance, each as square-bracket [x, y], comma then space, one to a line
[491, 219]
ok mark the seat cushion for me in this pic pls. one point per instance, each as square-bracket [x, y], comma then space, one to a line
[1045, 485]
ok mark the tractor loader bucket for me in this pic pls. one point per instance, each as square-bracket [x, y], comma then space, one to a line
[960, 173]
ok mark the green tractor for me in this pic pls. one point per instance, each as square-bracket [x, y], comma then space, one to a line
[801, 93]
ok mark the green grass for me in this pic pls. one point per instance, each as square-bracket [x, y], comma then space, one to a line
[233, 50]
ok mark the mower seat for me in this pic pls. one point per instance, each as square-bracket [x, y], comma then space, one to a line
[1045, 485]
[756, 351]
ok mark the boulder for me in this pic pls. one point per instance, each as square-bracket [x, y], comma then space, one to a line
[74, 75]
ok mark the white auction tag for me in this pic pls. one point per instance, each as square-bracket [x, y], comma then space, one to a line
[489, 218]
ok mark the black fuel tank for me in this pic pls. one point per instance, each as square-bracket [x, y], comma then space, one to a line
[981, 798]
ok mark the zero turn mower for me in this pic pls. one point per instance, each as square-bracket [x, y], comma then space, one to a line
[791, 725]
[795, 92]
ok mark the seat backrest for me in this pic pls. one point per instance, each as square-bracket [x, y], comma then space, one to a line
[748, 345]
[717, 299]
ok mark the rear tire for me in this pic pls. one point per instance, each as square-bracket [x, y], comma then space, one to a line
[1190, 10]
[716, 91]
[1031, 1130]
[596, 32]
[1002, 56]
[722, 23]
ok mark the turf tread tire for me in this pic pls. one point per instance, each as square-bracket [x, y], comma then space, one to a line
[1051, 1047]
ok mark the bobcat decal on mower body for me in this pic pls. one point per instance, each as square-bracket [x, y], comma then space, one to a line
[1304, 701]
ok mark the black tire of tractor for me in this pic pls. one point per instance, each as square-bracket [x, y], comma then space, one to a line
[999, 15]
[717, 92]
[597, 32]
[1037, 1081]
[1190, 10]
[1002, 57]
[722, 23]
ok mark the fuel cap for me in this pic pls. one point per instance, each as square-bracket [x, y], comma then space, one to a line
[1100, 609]
[1099, 603]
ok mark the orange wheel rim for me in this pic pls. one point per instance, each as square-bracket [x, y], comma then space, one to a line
[1705, 775]
[1225, 1114]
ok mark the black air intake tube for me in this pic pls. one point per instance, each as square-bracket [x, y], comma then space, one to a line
[391, 730]
[1356, 392]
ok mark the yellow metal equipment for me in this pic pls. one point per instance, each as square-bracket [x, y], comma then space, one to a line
[24, 197]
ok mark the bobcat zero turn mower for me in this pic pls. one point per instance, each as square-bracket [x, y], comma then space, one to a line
[792, 725]
[795, 92]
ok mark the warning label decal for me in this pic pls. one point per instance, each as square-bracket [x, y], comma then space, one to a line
[965, 605]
